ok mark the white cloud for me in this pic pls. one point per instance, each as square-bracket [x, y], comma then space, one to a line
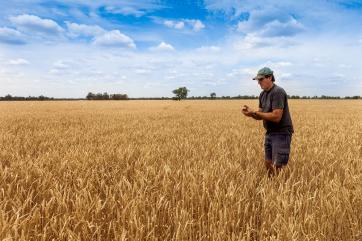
[196, 24]
[174, 24]
[129, 8]
[114, 38]
[234, 61]
[32, 23]
[270, 24]
[75, 30]
[168, 23]
[11, 36]
[248, 71]
[208, 49]
[60, 64]
[240, 72]
[179, 25]
[19, 61]
[344, 66]
[60, 67]
[276, 28]
[163, 47]
[252, 40]
[283, 64]
[235, 68]
[126, 10]
[142, 71]
[229, 7]
[285, 76]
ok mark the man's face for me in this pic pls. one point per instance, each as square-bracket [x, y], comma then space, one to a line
[265, 82]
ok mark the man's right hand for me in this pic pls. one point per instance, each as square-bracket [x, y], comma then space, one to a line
[247, 111]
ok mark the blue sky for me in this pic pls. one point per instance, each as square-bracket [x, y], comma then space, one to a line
[150, 47]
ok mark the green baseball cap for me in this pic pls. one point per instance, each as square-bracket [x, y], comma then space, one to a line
[263, 72]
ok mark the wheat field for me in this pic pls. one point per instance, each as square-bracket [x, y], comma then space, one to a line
[169, 170]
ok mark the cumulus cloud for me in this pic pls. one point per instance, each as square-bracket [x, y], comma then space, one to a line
[263, 24]
[271, 27]
[277, 28]
[130, 8]
[75, 30]
[114, 38]
[174, 24]
[60, 64]
[60, 67]
[208, 49]
[142, 71]
[19, 61]
[240, 72]
[284, 63]
[270, 24]
[127, 10]
[263, 29]
[195, 24]
[11, 36]
[274, 28]
[35, 24]
[229, 7]
[254, 40]
[163, 47]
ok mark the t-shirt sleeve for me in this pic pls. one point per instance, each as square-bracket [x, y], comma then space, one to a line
[278, 99]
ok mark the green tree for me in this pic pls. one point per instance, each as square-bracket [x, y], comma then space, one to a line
[119, 97]
[105, 96]
[91, 96]
[181, 93]
[213, 95]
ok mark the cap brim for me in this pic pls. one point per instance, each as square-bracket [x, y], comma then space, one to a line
[258, 77]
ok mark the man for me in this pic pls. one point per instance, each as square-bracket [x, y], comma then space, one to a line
[274, 111]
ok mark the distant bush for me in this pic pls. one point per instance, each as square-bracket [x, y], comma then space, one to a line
[8, 97]
[106, 96]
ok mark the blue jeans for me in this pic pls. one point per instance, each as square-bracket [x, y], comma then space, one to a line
[277, 148]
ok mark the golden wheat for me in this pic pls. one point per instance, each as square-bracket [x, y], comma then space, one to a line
[168, 170]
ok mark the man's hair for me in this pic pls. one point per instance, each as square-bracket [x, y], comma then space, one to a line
[273, 79]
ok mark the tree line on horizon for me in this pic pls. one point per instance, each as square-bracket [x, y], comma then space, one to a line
[179, 95]
[182, 92]
[20, 98]
[106, 96]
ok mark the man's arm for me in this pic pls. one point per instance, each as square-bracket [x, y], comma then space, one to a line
[254, 115]
[274, 116]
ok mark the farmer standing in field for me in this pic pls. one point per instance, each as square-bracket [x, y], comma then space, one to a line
[274, 111]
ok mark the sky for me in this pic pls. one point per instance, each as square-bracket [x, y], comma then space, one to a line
[147, 48]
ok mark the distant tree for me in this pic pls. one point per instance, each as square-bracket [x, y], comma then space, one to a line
[213, 95]
[90, 96]
[105, 96]
[99, 96]
[181, 93]
[119, 97]
[8, 97]
[295, 97]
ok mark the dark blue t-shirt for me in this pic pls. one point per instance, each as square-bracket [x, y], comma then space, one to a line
[276, 98]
